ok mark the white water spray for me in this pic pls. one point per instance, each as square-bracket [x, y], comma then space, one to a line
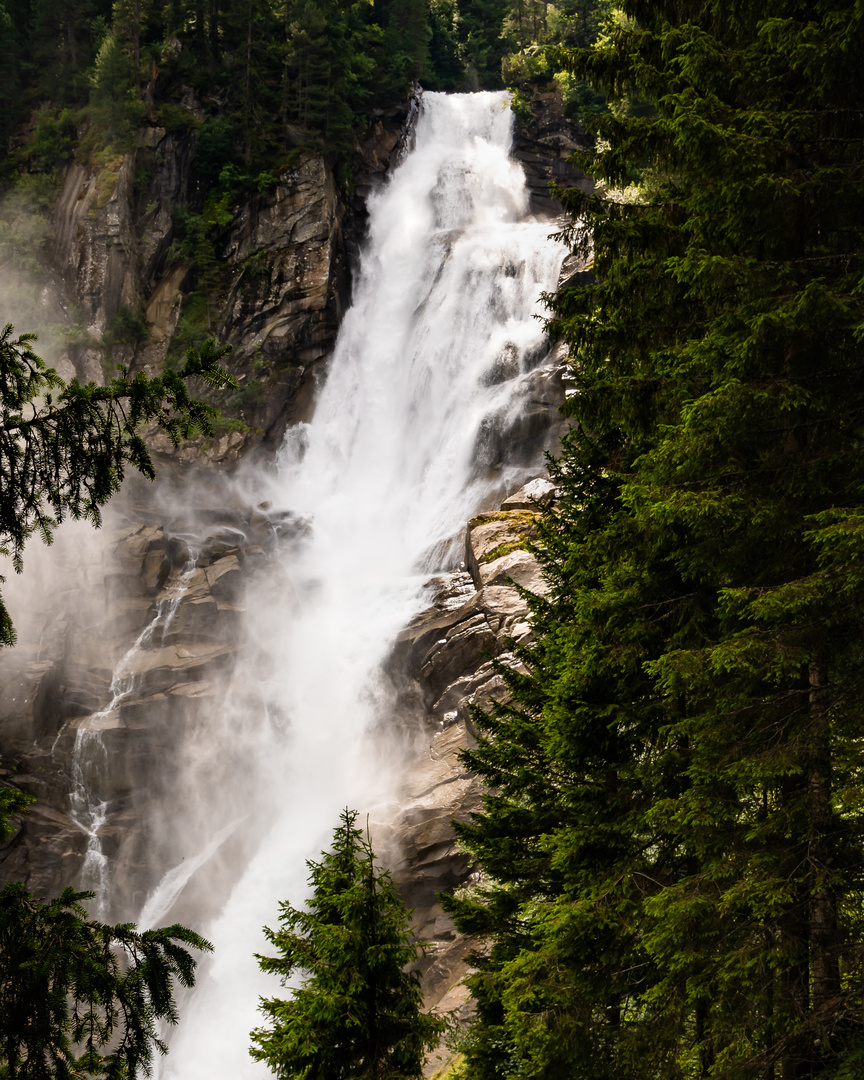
[432, 360]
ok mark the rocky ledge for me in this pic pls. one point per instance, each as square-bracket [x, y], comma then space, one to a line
[447, 658]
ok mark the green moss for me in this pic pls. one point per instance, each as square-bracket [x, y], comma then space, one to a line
[453, 1070]
[504, 549]
[224, 424]
[521, 522]
[106, 185]
[193, 329]
[523, 519]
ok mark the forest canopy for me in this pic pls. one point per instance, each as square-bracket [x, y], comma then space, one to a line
[251, 80]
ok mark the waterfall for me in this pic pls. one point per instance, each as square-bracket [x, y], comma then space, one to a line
[433, 359]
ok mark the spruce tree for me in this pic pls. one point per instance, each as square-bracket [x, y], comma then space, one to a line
[672, 832]
[357, 1015]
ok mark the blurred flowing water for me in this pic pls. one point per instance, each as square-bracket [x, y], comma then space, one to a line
[433, 358]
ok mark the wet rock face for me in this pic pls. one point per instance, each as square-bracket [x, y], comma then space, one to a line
[135, 644]
[284, 277]
[544, 149]
[112, 228]
[285, 290]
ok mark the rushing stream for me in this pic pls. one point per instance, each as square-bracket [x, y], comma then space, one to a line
[432, 359]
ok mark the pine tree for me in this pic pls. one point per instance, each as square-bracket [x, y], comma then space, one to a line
[357, 1015]
[330, 69]
[673, 833]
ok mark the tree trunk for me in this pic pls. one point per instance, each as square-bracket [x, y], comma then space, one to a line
[248, 90]
[792, 997]
[136, 43]
[215, 49]
[823, 908]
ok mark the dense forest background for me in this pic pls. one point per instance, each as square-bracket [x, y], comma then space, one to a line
[78, 77]
[246, 87]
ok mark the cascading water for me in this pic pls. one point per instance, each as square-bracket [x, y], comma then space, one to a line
[87, 806]
[434, 352]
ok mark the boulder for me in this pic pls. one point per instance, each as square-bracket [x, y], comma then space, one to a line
[155, 570]
[534, 495]
[516, 566]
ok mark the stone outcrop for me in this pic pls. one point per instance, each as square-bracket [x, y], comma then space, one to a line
[448, 653]
[283, 277]
[113, 225]
[134, 644]
[544, 147]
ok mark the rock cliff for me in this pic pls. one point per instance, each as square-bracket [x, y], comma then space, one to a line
[282, 278]
[448, 655]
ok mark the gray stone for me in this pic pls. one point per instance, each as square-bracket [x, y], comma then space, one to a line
[155, 570]
[518, 566]
[225, 578]
[532, 496]
[490, 536]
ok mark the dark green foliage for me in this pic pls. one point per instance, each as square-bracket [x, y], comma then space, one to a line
[8, 76]
[481, 44]
[217, 137]
[64, 448]
[445, 68]
[406, 40]
[79, 998]
[270, 76]
[328, 71]
[53, 142]
[116, 108]
[358, 1013]
[128, 327]
[673, 831]
[537, 38]
[12, 801]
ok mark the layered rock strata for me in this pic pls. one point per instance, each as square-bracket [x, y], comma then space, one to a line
[449, 652]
